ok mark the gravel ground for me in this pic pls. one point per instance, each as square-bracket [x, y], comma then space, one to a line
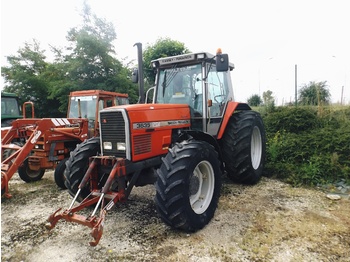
[270, 221]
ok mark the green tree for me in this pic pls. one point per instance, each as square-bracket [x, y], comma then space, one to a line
[89, 61]
[268, 98]
[314, 93]
[163, 47]
[254, 100]
[26, 77]
[269, 101]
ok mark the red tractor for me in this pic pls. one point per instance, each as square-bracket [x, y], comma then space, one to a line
[183, 142]
[33, 145]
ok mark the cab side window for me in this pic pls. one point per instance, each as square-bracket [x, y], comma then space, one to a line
[217, 92]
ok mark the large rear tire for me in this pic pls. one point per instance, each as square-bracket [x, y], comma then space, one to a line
[244, 147]
[28, 175]
[188, 185]
[77, 165]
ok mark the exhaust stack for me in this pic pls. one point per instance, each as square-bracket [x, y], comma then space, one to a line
[140, 74]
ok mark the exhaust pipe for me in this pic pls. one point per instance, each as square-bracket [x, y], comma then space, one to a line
[140, 74]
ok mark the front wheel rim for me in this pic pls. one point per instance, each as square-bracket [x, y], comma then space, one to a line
[256, 148]
[202, 184]
[33, 173]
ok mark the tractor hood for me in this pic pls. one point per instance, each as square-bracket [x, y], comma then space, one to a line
[141, 113]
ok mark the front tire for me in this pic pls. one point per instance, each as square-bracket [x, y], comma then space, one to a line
[59, 173]
[188, 185]
[244, 147]
[77, 165]
[28, 175]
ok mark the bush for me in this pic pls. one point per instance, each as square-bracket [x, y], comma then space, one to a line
[294, 120]
[304, 147]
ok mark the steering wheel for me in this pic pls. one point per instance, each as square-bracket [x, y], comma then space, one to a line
[188, 91]
[215, 98]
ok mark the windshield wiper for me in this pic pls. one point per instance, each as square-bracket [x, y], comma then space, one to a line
[171, 76]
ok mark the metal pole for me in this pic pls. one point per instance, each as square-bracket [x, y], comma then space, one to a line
[296, 85]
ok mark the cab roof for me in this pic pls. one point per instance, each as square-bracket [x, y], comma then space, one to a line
[186, 58]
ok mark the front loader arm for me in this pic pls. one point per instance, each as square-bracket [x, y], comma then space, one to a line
[10, 165]
[32, 130]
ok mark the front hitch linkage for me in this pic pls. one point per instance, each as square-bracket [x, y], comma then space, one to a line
[96, 196]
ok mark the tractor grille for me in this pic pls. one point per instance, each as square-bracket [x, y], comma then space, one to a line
[142, 144]
[113, 131]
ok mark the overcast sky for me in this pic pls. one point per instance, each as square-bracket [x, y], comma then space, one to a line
[264, 39]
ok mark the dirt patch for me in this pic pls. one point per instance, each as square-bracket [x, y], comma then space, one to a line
[270, 221]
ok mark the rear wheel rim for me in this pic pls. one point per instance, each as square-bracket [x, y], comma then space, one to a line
[256, 148]
[202, 184]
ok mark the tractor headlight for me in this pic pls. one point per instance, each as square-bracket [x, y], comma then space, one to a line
[121, 146]
[107, 145]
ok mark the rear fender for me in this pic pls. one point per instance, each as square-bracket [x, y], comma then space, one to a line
[230, 109]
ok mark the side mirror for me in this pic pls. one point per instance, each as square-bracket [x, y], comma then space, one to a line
[135, 75]
[221, 62]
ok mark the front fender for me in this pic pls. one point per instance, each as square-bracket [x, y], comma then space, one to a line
[201, 136]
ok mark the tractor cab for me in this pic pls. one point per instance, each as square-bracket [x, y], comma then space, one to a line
[87, 104]
[200, 80]
[10, 109]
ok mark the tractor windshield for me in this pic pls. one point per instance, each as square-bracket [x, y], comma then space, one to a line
[10, 110]
[179, 85]
[83, 106]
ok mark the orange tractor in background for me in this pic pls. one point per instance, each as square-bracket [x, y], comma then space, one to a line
[183, 142]
[33, 145]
